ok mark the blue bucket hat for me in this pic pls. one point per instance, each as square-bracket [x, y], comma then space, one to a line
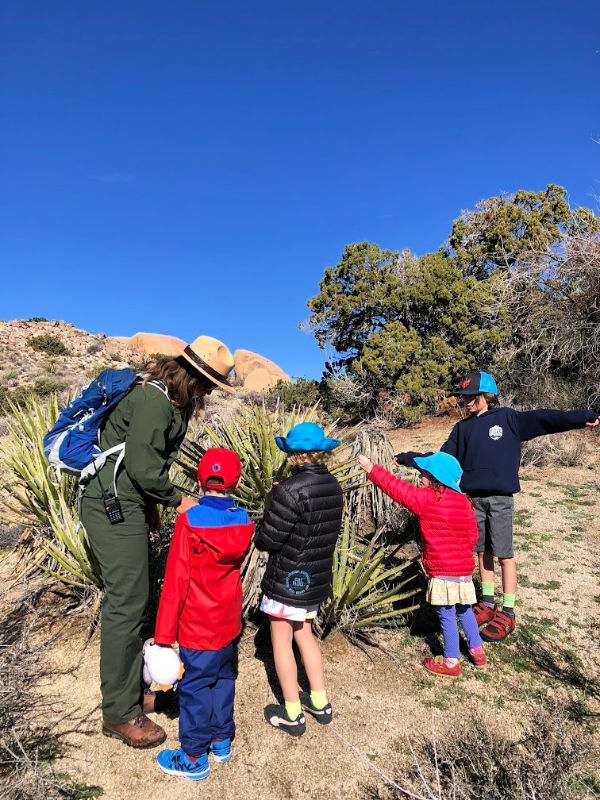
[305, 438]
[443, 467]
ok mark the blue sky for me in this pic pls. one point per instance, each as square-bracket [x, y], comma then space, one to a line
[193, 167]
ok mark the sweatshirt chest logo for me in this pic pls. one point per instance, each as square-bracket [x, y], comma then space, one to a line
[496, 432]
[297, 581]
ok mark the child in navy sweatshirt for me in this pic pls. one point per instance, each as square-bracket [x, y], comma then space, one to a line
[487, 445]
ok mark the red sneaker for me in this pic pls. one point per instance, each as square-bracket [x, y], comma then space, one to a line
[498, 628]
[482, 613]
[438, 666]
[478, 659]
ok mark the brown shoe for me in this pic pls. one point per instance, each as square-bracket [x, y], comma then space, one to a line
[138, 732]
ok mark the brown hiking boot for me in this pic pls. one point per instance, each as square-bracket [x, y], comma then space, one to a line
[138, 732]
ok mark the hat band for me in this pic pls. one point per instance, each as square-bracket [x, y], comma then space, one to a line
[204, 366]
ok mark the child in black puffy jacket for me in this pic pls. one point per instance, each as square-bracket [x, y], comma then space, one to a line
[299, 531]
[487, 444]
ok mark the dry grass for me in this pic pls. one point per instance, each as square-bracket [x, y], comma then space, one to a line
[28, 747]
[549, 761]
[560, 450]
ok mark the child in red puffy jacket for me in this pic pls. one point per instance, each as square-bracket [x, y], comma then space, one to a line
[201, 609]
[449, 534]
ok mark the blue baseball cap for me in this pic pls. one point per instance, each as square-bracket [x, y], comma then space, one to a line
[305, 438]
[477, 383]
[443, 467]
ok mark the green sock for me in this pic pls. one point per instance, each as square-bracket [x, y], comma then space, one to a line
[487, 592]
[509, 603]
[293, 709]
[318, 699]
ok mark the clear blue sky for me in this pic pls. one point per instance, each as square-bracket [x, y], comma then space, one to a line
[192, 167]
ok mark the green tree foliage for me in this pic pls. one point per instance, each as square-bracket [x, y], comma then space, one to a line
[406, 325]
[405, 328]
[501, 231]
[358, 296]
[300, 392]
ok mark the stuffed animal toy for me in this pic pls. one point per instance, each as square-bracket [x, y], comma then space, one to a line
[162, 666]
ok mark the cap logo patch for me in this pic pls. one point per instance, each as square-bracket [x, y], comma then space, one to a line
[466, 383]
[216, 467]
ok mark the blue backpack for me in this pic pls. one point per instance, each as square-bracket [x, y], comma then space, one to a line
[73, 443]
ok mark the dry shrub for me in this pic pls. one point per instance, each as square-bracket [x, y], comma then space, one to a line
[562, 450]
[553, 298]
[549, 762]
[28, 749]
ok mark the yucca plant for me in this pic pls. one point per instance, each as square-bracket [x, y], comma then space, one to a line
[370, 586]
[252, 436]
[57, 544]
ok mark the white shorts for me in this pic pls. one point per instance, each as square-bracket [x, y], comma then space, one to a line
[276, 609]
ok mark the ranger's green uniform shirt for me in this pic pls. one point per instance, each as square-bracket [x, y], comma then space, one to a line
[153, 430]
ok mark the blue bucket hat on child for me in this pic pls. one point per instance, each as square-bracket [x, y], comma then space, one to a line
[443, 467]
[477, 383]
[306, 437]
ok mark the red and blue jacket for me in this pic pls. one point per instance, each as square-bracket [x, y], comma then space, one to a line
[201, 601]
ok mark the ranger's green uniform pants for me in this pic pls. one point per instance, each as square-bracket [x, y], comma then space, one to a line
[122, 553]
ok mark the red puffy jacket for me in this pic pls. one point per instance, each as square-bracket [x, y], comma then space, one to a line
[201, 601]
[447, 520]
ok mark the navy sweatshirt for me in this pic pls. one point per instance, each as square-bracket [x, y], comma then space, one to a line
[488, 447]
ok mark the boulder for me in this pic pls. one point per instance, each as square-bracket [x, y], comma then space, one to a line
[256, 372]
[150, 343]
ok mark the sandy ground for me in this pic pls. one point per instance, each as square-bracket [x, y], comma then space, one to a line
[379, 699]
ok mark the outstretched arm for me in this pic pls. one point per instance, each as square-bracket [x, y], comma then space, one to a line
[402, 492]
[546, 420]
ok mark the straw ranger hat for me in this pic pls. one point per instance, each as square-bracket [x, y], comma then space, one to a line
[212, 358]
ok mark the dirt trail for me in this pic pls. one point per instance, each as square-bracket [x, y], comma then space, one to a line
[378, 699]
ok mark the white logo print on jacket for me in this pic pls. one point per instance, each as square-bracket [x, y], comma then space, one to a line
[496, 432]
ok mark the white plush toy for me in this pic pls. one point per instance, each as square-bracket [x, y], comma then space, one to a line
[162, 666]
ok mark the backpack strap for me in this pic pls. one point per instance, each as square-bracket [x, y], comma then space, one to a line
[102, 457]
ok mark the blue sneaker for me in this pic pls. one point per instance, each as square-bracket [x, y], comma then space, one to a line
[221, 751]
[175, 762]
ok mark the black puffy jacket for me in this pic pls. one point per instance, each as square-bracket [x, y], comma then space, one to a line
[299, 531]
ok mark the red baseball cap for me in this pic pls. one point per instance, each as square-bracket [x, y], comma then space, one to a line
[219, 469]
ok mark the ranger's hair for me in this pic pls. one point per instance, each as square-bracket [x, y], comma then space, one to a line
[185, 385]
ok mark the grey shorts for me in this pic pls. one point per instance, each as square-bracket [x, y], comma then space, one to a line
[494, 515]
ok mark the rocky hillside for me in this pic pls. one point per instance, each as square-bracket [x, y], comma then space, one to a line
[42, 356]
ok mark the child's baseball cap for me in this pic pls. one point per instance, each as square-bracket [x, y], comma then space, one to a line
[307, 437]
[443, 467]
[477, 383]
[219, 469]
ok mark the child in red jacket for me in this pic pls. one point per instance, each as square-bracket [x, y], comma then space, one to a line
[201, 609]
[449, 534]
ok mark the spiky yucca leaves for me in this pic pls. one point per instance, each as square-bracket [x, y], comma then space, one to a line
[370, 586]
[56, 544]
[252, 436]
